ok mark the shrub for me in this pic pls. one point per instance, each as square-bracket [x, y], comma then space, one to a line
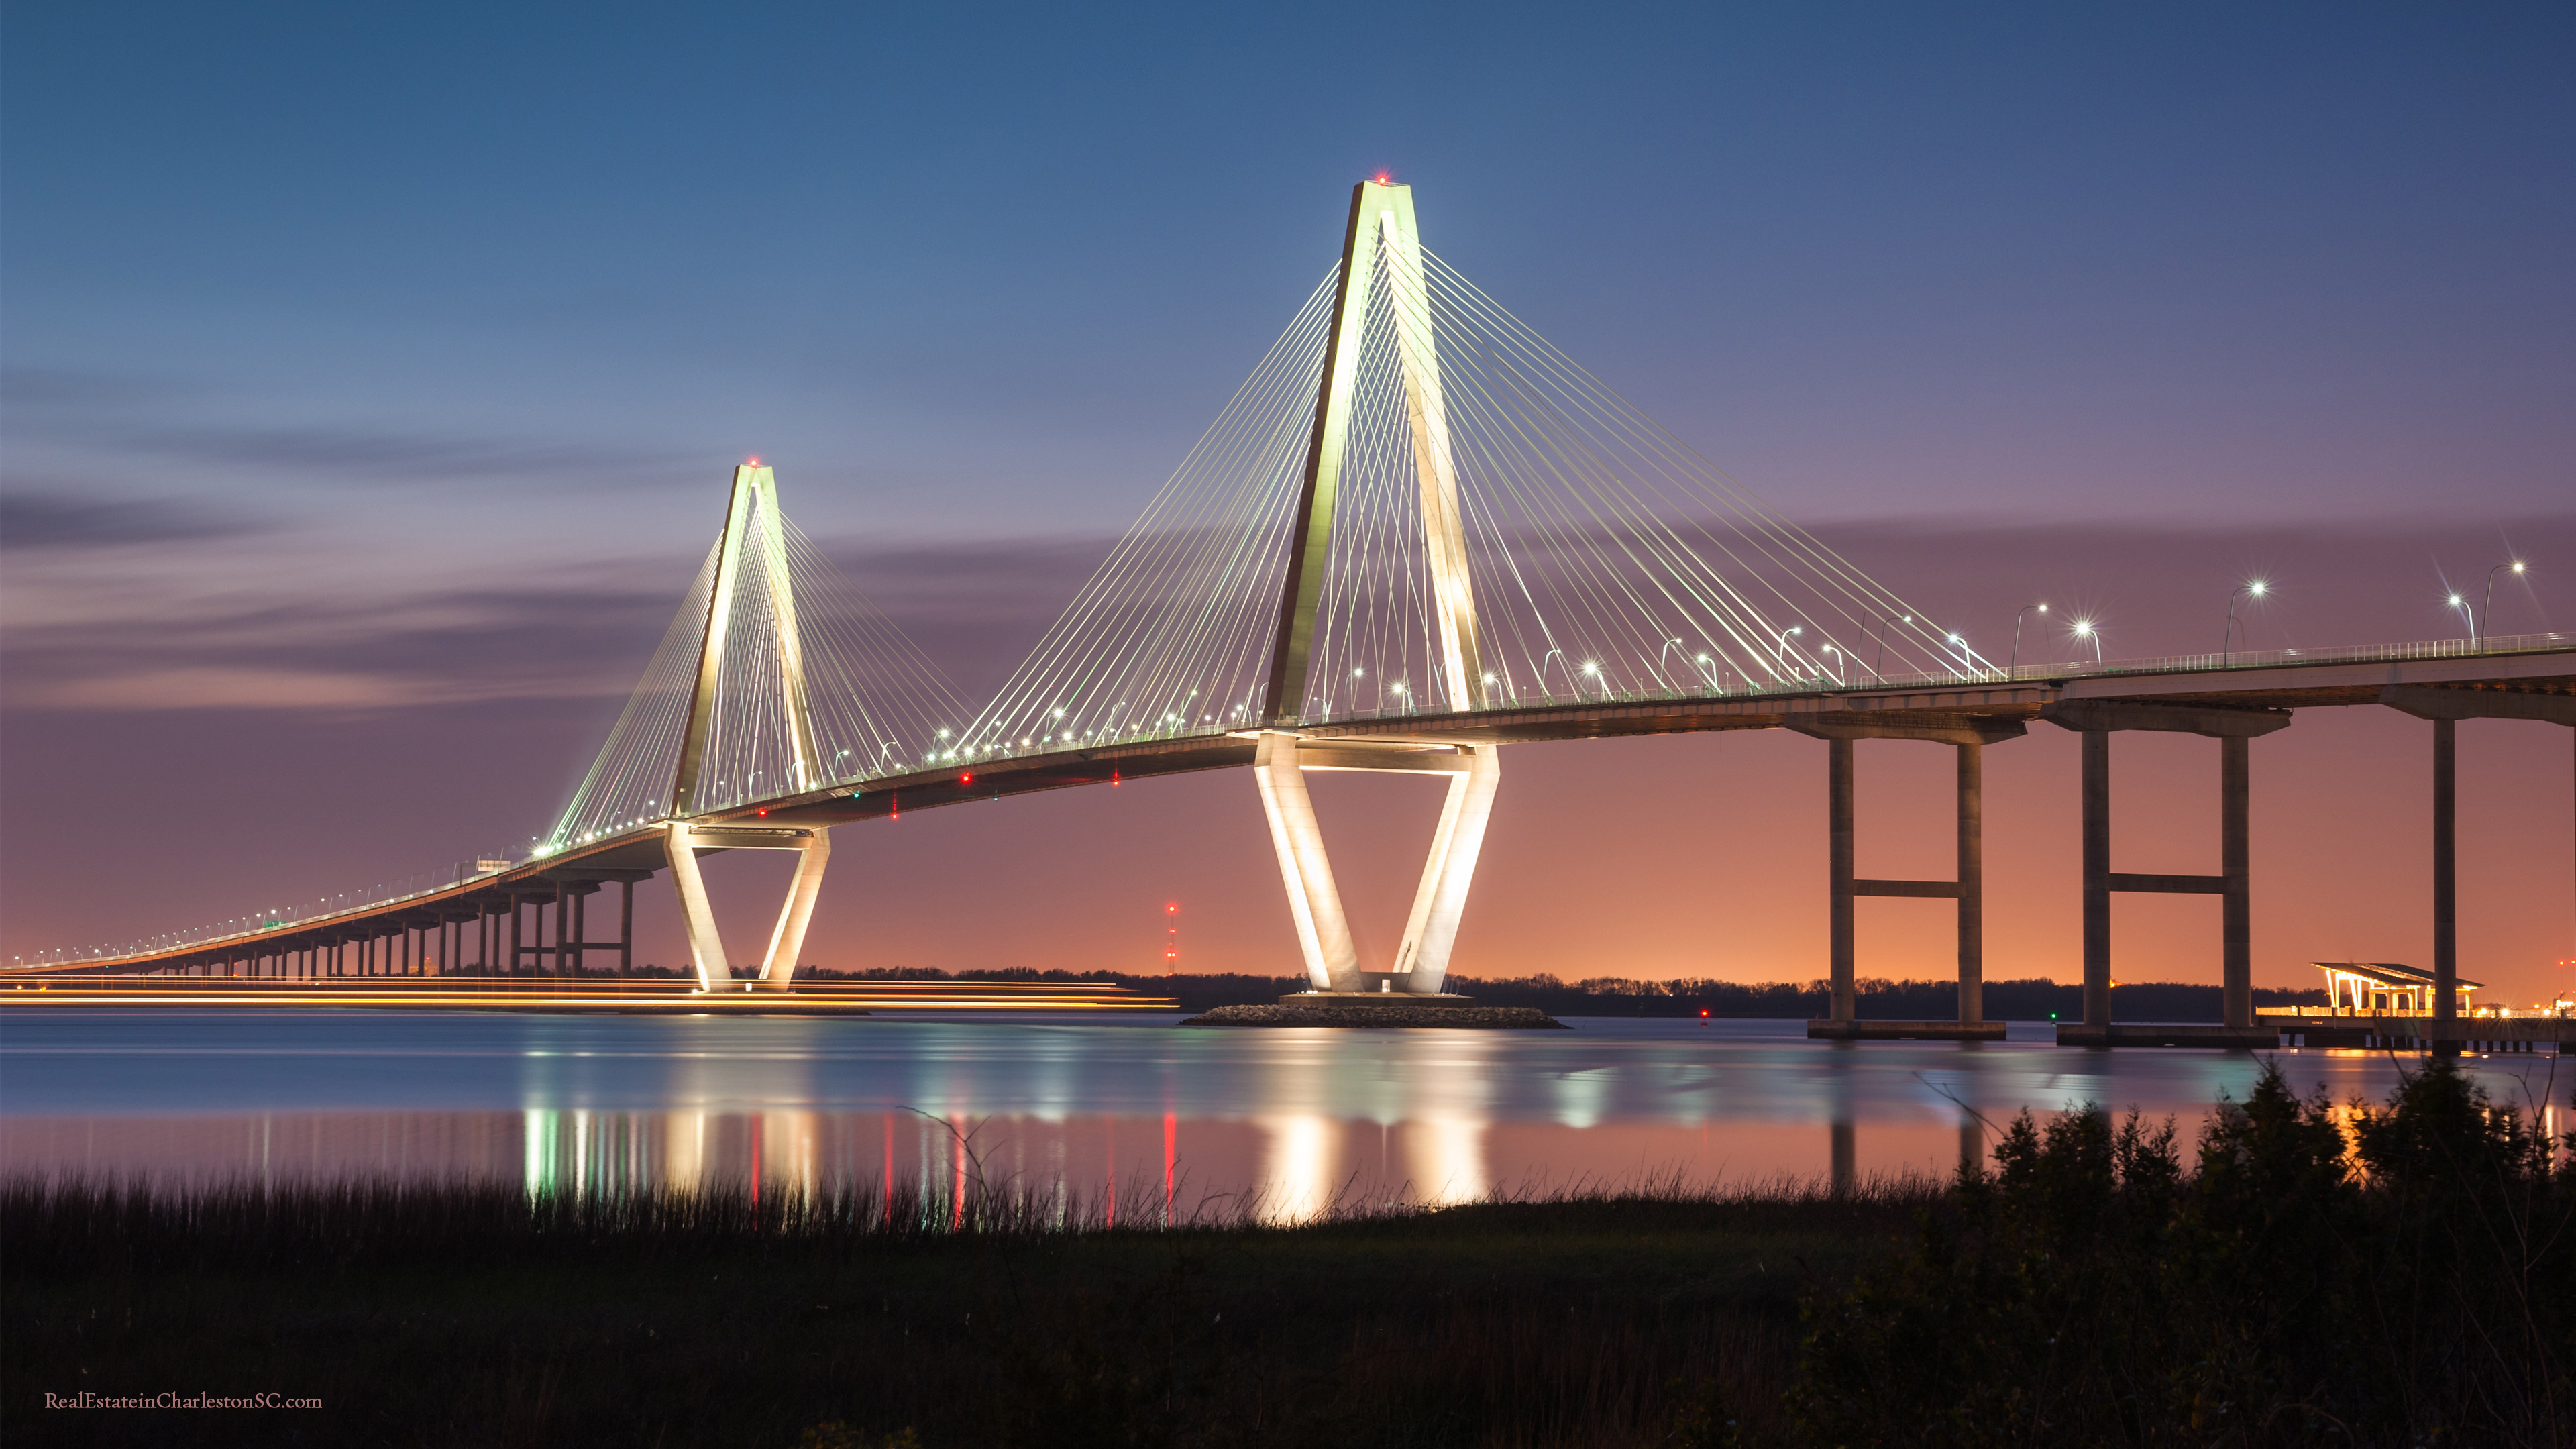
[2408, 1280]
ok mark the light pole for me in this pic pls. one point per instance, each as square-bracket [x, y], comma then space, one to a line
[1780, 641]
[2084, 630]
[2256, 589]
[1838, 665]
[1661, 653]
[2467, 614]
[2016, 650]
[1708, 667]
[1879, 668]
[2485, 622]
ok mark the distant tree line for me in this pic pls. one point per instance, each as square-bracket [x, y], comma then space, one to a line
[1880, 999]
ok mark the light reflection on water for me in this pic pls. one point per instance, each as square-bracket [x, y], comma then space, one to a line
[1133, 1117]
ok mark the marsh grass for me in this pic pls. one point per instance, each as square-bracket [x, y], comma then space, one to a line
[477, 1313]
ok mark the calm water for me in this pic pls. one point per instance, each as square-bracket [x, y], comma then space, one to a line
[1163, 1117]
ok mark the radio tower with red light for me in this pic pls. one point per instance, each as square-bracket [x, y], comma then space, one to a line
[1171, 938]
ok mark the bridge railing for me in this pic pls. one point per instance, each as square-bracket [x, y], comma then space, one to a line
[263, 923]
[1861, 679]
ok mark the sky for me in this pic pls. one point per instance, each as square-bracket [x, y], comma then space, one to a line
[370, 378]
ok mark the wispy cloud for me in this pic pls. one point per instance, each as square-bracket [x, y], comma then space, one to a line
[64, 520]
[450, 648]
[89, 415]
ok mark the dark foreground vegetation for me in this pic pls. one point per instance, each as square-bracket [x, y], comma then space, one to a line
[2101, 1285]
[2395, 1275]
[1880, 1000]
[469, 1315]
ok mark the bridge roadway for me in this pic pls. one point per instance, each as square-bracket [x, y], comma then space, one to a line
[2541, 666]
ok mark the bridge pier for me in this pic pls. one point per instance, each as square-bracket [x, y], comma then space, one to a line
[1421, 964]
[1967, 886]
[2445, 708]
[685, 842]
[2234, 729]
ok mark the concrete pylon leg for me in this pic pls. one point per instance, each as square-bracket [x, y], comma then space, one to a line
[1838, 891]
[706, 947]
[1323, 932]
[2236, 927]
[1972, 883]
[778, 968]
[2446, 886]
[1423, 959]
[2097, 877]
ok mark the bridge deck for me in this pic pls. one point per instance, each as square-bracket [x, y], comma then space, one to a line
[2544, 665]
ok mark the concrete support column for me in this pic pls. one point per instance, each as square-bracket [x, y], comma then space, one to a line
[1314, 899]
[514, 936]
[706, 945]
[1972, 883]
[2236, 927]
[1838, 930]
[1422, 957]
[626, 928]
[2097, 877]
[787, 940]
[559, 930]
[2446, 884]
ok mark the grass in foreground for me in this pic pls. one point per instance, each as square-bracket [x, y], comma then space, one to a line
[469, 1314]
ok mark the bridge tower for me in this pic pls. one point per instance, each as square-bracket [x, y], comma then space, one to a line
[754, 544]
[1381, 260]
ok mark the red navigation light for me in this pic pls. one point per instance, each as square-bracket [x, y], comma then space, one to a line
[1703, 1011]
[1113, 779]
[965, 777]
[1381, 178]
[754, 463]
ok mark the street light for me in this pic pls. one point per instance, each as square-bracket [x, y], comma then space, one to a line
[2478, 627]
[1780, 651]
[2456, 602]
[2257, 589]
[1878, 667]
[2016, 649]
[2084, 630]
[1661, 653]
[1838, 664]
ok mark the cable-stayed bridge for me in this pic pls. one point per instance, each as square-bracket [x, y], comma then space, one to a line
[1417, 534]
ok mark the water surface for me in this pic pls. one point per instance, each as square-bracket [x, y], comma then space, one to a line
[1164, 1118]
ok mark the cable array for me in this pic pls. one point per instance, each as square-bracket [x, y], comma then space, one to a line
[871, 703]
[1607, 560]
[1172, 635]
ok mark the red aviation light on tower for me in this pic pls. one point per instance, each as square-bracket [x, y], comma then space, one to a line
[1381, 178]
